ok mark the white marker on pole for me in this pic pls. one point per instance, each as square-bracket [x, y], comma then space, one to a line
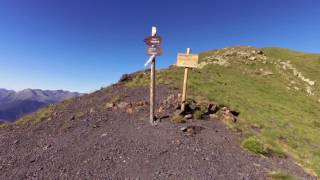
[150, 60]
[154, 31]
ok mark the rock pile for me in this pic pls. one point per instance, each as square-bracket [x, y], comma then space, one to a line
[288, 67]
[250, 55]
[225, 56]
[127, 106]
[199, 111]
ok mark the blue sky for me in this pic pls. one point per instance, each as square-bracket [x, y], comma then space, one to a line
[82, 45]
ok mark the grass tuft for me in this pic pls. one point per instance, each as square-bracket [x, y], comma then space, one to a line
[198, 114]
[254, 145]
[177, 119]
[36, 117]
[4, 125]
[278, 175]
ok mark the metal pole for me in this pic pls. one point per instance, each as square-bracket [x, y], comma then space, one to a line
[185, 85]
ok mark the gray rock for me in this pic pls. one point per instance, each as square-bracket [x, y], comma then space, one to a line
[184, 129]
[213, 116]
[122, 104]
[188, 116]
[252, 58]
[109, 105]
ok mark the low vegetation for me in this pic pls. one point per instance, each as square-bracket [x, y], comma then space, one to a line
[254, 145]
[278, 175]
[177, 119]
[36, 117]
[268, 95]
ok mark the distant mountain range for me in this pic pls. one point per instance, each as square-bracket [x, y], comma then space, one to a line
[16, 104]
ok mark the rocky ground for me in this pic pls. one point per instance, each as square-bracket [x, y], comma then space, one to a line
[107, 135]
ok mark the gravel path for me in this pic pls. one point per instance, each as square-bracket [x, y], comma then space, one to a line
[88, 139]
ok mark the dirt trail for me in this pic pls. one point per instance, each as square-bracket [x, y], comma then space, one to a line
[118, 143]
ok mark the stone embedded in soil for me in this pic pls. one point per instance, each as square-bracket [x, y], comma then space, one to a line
[188, 116]
[122, 105]
[192, 130]
[130, 110]
[109, 105]
[213, 108]
[183, 129]
[73, 117]
[213, 116]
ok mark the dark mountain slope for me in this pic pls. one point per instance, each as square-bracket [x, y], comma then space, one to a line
[17, 109]
[16, 104]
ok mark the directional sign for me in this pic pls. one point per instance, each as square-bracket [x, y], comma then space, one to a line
[153, 40]
[188, 60]
[156, 51]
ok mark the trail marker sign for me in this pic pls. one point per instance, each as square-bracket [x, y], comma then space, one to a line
[156, 51]
[188, 60]
[153, 40]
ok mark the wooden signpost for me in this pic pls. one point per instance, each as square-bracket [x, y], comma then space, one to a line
[187, 61]
[153, 50]
[156, 51]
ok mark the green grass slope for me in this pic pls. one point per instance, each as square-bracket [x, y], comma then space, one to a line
[276, 90]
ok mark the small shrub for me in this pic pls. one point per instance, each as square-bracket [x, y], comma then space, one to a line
[115, 99]
[254, 145]
[36, 117]
[275, 151]
[177, 119]
[79, 114]
[5, 125]
[66, 125]
[198, 114]
[277, 175]
[316, 124]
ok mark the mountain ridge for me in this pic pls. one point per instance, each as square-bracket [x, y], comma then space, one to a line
[14, 104]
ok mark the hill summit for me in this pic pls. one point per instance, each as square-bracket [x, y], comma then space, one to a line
[249, 116]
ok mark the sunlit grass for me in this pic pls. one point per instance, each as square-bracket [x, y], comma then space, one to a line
[289, 119]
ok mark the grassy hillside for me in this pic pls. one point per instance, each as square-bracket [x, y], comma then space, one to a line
[275, 90]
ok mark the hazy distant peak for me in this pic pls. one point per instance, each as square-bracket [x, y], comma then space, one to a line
[14, 104]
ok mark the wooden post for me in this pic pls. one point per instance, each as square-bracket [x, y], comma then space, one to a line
[153, 83]
[185, 85]
[152, 90]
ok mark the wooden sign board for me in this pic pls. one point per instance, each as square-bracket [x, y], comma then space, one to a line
[188, 60]
[156, 51]
[153, 40]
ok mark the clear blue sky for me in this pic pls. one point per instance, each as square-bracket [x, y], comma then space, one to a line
[82, 45]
